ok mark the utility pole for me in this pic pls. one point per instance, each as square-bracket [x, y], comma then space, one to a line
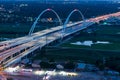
[104, 60]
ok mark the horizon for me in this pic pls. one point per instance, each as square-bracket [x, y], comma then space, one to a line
[60, 0]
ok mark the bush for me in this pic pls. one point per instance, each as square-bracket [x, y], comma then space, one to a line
[44, 64]
[9, 78]
[69, 65]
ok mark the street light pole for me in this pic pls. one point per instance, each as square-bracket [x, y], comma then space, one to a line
[46, 39]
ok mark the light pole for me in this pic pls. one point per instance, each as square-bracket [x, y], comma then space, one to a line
[46, 39]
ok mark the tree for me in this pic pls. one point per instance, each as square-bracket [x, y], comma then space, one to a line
[69, 65]
[44, 64]
[9, 78]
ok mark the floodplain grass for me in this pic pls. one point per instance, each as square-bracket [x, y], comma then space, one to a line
[103, 33]
[86, 53]
[74, 52]
[10, 30]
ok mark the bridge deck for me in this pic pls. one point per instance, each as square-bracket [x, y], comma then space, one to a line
[13, 50]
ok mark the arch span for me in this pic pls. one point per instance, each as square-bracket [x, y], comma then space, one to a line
[46, 10]
[67, 20]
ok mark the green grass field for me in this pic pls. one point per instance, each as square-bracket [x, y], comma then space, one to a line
[23, 28]
[75, 52]
[110, 29]
[86, 53]
[103, 33]
[14, 28]
[17, 30]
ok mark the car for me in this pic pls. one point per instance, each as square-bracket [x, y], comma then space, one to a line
[26, 70]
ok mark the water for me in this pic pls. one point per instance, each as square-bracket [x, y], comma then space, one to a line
[89, 43]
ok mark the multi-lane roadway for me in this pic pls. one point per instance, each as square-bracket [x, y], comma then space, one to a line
[13, 50]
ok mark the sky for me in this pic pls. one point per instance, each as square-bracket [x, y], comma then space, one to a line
[61, 0]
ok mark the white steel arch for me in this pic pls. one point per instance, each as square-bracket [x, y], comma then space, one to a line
[46, 10]
[67, 20]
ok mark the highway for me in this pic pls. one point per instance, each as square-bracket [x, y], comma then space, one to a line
[12, 51]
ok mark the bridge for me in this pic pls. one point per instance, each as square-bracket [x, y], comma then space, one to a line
[12, 51]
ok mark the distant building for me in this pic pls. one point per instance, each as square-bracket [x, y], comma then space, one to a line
[59, 1]
[80, 67]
